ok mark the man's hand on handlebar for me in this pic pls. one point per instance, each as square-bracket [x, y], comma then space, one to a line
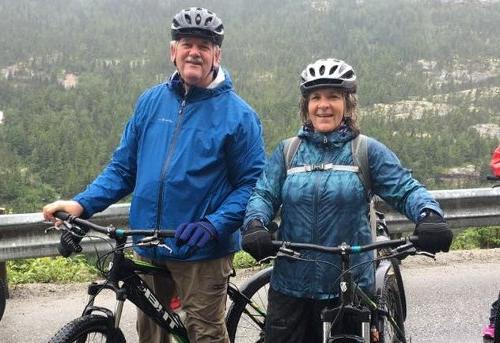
[70, 206]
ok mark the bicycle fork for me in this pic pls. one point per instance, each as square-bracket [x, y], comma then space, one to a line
[121, 296]
[353, 319]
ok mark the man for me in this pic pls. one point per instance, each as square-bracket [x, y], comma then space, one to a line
[191, 155]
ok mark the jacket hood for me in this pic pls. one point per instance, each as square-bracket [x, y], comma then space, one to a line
[199, 93]
[335, 138]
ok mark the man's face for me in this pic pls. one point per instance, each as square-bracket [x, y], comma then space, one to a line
[194, 58]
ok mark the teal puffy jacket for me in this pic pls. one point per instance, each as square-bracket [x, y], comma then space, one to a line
[330, 207]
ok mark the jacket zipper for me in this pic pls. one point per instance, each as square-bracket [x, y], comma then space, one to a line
[170, 152]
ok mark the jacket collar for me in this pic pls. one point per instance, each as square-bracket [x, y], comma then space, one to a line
[335, 138]
[222, 85]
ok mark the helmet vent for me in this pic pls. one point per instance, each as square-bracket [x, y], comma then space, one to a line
[198, 19]
[348, 75]
[188, 18]
[332, 69]
[322, 70]
[312, 72]
[208, 21]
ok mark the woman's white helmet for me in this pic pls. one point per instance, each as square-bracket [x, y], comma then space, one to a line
[330, 73]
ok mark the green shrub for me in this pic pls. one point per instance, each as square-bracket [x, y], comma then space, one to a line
[477, 238]
[51, 270]
[243, 260]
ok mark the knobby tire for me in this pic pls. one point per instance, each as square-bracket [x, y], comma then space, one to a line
[391, 302]
[401, 289]
[243, 321]
[89, 328]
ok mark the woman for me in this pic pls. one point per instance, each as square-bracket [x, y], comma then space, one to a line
[327, 205]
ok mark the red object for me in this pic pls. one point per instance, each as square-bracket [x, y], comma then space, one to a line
[495, 162]
[175, 303]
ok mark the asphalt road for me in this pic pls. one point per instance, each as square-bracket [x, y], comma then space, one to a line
[448, 301]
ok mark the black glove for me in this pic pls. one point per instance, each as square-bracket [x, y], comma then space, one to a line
[257, 241]
[433, 233]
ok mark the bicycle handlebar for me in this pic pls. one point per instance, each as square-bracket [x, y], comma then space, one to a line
[111, 231]
[401, 245]
[71, 238]
[349, 249]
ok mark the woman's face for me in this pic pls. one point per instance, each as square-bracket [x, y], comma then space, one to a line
[326, 109]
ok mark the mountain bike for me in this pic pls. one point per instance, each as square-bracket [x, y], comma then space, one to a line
[3, 297]
[100, 324]
[369, 318]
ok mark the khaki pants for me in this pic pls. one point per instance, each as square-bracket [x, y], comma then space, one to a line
[202, 288]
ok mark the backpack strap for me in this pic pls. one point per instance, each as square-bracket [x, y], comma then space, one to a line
[291, 145]
[360, 159]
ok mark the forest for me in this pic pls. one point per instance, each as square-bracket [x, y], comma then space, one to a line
[71, 71]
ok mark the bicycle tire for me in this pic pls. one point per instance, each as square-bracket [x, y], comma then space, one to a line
[3, 297]
[242, 320]
[401, 288]
[390, 301]
[89, 328]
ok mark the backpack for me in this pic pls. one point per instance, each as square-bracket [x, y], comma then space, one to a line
[359, 147]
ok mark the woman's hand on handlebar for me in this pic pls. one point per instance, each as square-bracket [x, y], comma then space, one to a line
[257, 240]
[434, 234]
[70, 206]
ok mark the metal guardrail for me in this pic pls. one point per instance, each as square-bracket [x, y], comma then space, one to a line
[23, 235]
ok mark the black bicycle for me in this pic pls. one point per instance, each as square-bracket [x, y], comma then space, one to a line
[3, 297]
[368, 318]
[99, 324]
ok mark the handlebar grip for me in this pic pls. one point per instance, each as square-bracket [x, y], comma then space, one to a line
[61, 215]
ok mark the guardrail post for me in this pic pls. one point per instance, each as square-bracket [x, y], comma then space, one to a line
[3, 268]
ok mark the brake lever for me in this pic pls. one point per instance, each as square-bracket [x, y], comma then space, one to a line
[153, 241]
[52, 228]
[286, 252]
[426, 254]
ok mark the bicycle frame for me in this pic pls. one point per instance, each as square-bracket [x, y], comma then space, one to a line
[123, 278]
[356, 306]
[137, 291]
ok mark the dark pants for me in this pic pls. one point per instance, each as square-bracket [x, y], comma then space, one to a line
[494, 309]
[294, 320]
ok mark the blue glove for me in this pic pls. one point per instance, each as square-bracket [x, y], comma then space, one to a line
[195, 234]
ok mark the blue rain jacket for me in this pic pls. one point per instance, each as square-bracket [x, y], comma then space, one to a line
[185, 158]
[330, 207]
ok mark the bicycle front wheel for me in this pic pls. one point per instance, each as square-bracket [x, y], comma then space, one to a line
[89, 328]
[246, 317]
[390, 302]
